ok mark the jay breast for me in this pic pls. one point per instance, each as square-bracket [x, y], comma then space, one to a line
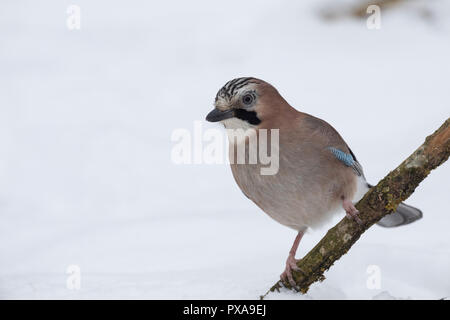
[305, 192]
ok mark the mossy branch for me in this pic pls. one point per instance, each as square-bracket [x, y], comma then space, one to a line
[381, 200]
[359, 10]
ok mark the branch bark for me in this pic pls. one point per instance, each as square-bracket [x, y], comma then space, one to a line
[381, 200]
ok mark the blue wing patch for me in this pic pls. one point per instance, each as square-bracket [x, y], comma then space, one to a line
[347, 159]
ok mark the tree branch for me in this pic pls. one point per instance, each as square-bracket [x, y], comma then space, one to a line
[379, 201]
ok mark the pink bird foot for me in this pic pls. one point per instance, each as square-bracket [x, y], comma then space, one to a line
[351, 211]
[291, 265]
[291, 262]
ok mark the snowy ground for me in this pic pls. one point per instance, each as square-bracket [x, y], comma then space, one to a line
[86, 118]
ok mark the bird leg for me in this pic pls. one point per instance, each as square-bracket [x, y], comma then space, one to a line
[351, 211]
[291, 262]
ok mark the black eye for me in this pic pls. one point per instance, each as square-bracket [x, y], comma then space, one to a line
[247, 99]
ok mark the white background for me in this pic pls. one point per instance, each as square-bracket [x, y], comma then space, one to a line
[86, 118]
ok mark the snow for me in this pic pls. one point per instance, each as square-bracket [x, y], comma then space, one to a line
[86, 117]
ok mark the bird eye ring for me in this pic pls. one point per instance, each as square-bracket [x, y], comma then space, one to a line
[248, 99]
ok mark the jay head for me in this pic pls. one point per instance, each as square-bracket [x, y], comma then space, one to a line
[317, 176]
[241, 106]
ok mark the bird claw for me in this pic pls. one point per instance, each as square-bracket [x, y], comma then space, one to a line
[287, 277]
[291, 265]
[355, 217]
[352, 212]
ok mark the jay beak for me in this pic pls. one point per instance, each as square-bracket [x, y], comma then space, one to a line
[318, 173]
[216, 115]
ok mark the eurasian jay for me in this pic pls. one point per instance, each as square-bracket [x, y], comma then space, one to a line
[318, 174]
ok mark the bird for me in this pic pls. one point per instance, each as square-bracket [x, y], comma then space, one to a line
[318, 174]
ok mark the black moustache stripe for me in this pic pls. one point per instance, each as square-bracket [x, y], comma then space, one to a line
[249, 116]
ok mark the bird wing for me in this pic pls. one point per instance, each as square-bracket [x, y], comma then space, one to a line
[324, 134]
[347, 159]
